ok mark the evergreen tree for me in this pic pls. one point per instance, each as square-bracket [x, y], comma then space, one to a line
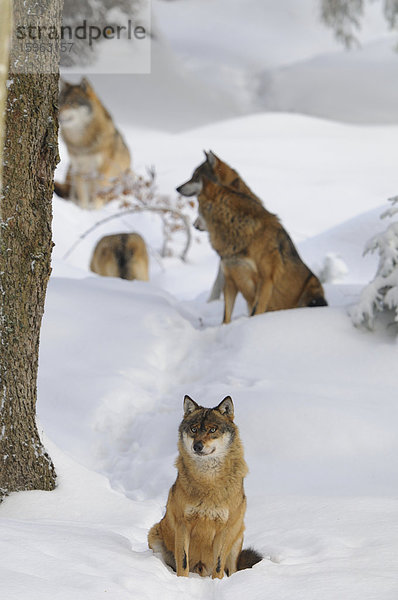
[381, 294]
[345, 16]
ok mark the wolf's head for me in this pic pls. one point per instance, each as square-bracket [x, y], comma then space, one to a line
[207, 432]
[216, 171]
[76, 104]
[193, 186]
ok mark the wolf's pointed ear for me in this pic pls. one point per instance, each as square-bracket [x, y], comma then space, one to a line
[205, 153]
[85, 84]
[189, 405]
[226, 407]
[212, 158]
[63, 85]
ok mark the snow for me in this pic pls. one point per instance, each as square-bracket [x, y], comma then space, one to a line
[315, 397]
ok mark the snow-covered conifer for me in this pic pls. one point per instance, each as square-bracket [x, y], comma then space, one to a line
[381, 294]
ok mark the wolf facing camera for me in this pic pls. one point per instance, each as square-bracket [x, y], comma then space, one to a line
[99, 158]
[202, 530]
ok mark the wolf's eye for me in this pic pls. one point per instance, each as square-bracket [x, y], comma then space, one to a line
[213, 429]
[194, 429]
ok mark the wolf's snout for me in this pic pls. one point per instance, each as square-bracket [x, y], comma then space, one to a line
[199, 224]
[198, 447]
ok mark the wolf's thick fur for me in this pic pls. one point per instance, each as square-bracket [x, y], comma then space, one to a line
[258, 257]
[121, 255]
[220, 172]
[202, 530]
[99, 157]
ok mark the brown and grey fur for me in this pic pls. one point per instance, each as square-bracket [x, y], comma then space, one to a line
[217, 171]
[258, 257]
[121, 255]
[99, 158]
[202, 530]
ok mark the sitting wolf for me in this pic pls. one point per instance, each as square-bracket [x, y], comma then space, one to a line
[202, 530]
[258, 257]
[99, 157]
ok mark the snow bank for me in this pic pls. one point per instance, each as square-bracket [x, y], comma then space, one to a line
[359, 86]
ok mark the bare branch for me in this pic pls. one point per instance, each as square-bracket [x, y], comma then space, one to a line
[157, 209]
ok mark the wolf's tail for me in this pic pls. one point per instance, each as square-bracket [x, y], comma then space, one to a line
[62, 189]
[248, 558]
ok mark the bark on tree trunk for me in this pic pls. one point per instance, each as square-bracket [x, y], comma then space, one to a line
[5, 35]
[30, 157]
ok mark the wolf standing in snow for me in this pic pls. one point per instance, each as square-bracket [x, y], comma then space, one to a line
[202, 530]
[99, 157]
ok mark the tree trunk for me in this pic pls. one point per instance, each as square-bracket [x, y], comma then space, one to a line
[5, 35]
[30, 157]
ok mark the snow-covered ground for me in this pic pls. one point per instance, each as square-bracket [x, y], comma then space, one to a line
[315, 398]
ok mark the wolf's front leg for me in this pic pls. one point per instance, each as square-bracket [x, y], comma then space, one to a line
[181, 550]
[230, 293]
[227, 546]
[219, 554]
[81, 191]
[232, 559]
[263, 296]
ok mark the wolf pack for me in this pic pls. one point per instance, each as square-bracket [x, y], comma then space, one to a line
[202, 529]
[257, 256]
